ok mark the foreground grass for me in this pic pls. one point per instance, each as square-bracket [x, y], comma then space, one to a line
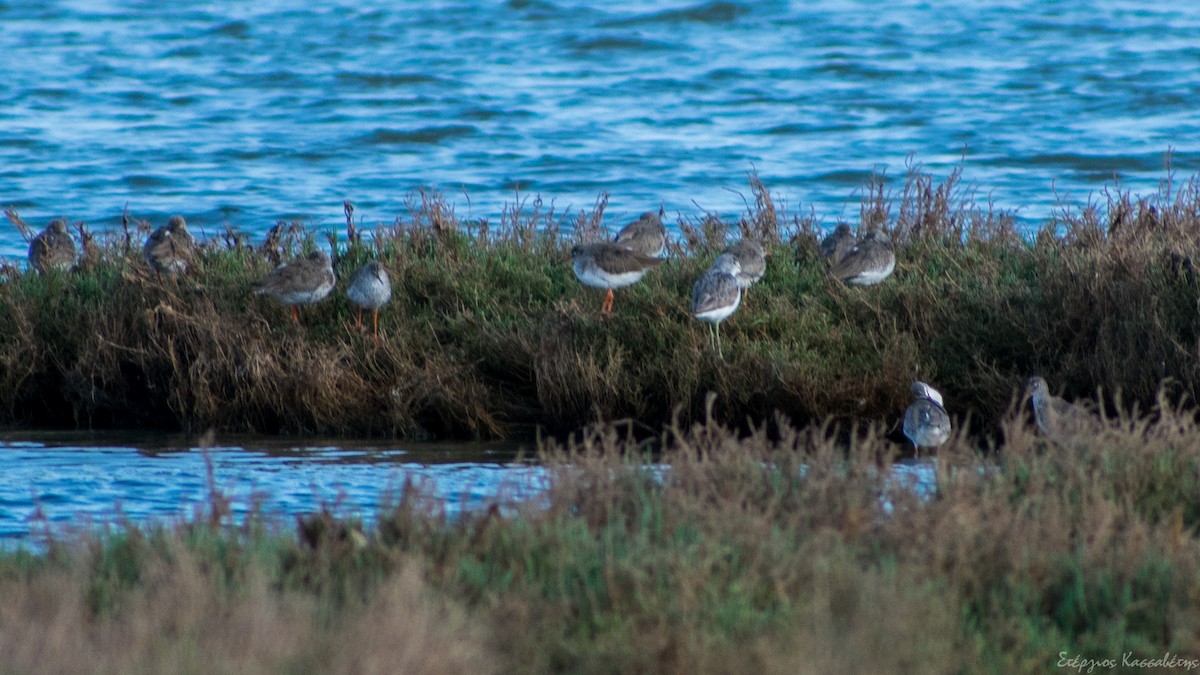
[735, 559]
[489, 334]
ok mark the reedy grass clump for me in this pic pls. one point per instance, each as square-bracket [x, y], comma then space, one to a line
[793, 551]
[490, 335]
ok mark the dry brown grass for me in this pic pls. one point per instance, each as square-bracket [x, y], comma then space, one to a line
[181, 615]
[489, 334]
[779, 549]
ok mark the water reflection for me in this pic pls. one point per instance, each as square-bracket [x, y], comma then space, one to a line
[67, 481]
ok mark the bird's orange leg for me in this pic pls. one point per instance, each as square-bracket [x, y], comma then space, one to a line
[608, 303]
[295, 315]
[375, 320]
[360, 319]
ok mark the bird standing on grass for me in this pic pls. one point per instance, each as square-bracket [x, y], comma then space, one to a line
[716, 295]
[646, 235]
[837, 244]
[869, 262]
[299, 282]
[370, 288]
[53, 248]
[752, 262]
[170, 249]
[1056, 418]
[926, 423]
[609, 265]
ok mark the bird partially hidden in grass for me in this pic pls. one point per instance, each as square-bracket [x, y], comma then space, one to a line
[609, 265]
[837, 244]
[926, 423]
[752, 262]
[53, 248]
[646, 235]
[1057, 418]
[869, 262]
[170, 249]
[716, 295]
[299, 282]
[370, 288]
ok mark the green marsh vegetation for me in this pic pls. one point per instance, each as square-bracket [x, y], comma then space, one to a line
[777, 540]
[780, 552]
[489, 334]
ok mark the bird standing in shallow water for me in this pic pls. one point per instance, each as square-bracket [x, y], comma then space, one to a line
[609, 265]
[835, 246]
[869, 262]
[716, 295]
[1056, 418]
[299, 282]
[646, 235]
[752, 262]
[52, 248]
[170, 248]
[926, 423]
[370, 288]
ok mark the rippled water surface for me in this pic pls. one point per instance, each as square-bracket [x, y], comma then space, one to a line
[67, 481]
[70, 482]
[239, 114]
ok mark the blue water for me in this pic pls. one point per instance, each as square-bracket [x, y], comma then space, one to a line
[238, 114]
[69, 482]
[64, 483]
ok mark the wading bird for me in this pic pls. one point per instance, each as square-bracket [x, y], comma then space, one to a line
[752, 262]
[609, 265]
[370, 288]
[1056, 418]
[53, 248]
[646, 235]
[837, 244]
[869, 262]
[299, 282]
[170, 249]
[716, 295]
[926, 423]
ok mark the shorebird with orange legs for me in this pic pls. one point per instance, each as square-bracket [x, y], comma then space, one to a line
[299, 282]
[370, 288]
[610, 265]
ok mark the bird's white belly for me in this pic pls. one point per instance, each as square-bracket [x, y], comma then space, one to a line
[592, 275]
[719, 314]
[872, 276]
